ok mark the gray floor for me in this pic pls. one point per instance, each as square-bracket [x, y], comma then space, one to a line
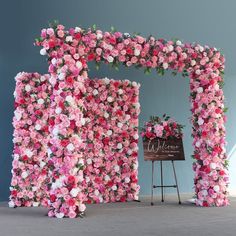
[126, 219]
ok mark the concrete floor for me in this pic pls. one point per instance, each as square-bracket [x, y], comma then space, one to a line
[124, 219]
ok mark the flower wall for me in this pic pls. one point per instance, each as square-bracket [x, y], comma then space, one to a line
[103, 140]
[30, 167]
[70, 50]
[111, 134]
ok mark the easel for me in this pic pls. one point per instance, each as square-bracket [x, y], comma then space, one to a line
[162, 186]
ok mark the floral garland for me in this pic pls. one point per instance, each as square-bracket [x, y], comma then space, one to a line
[163, 128]
[68, 53]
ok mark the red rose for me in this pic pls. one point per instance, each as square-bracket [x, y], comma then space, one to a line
[53, 198]
[123, 199]
[25, 158]
[217, 110]
[91, 57]
[64, 142]
[205, 204]
[71, 202]
[72, 124]
[77, 36]
[14, 193]
[51, 122]
[221, 172]
[71, 179]
[51, 43]
[106, 141]
[69, 80]
[129, 51]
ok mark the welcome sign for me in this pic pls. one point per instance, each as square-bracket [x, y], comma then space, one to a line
[163, 149]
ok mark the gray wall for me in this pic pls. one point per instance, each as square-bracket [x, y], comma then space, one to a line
[205, 21]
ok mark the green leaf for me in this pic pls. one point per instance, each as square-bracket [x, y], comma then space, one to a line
[94, 27]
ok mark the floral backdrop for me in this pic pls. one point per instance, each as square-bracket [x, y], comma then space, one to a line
[72, 49]
[30, 167]
[111, 134]
[107, 169]
[68, 53]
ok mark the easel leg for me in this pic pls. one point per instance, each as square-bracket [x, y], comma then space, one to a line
[152, 183]
[162, 188]
[177, 187]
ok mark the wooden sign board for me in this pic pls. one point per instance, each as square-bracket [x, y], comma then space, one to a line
[163, 149]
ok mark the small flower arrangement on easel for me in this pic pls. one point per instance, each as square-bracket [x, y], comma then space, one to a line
[163, 127]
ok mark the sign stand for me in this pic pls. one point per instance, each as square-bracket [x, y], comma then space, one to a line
[162, 186]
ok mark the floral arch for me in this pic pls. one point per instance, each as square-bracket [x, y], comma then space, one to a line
[69, 51]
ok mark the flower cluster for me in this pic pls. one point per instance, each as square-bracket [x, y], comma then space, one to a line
[30, 170]
[162, 127]
[111, 134]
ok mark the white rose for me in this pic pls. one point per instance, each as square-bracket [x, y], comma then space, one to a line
[27, 88]
[61, 76]
[29, 153]
[96, 192]
[99, 36]
[11, 204]
[35, 204]
[89, 161]
[87, 179]
[135, 166]
[95, 92]
[82, 121]
[77, 29]
[70, 147]
[200, 90]
[165, 65]
[198, 72]
[193, 63]
[42, 164]
[81, 161]
[54, 61]
[198, 144]
[78, 64]
[116, 168]
[119, 145]
[106, 115]
[213, 165]
[40, 101]
[204, 192]
[109, 132]
[42, 78]
[170, 48]
[216, 188]
[82, 207]
[59, 215]
[127, 180]
[110, 99]
[120, 125]
[24, 174]
[136, 52]
[34, 189]
[114, 187]
[69, 99]
[55, 131]
[74, 192]
[106, 80]
[136, 136]
[134, 84]
[110, 59]
[200, 121]
[120, 91]
[107, 178]
[178, 42]
[58, 110]
[69, 39]
[18, 115]
[43, 52]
